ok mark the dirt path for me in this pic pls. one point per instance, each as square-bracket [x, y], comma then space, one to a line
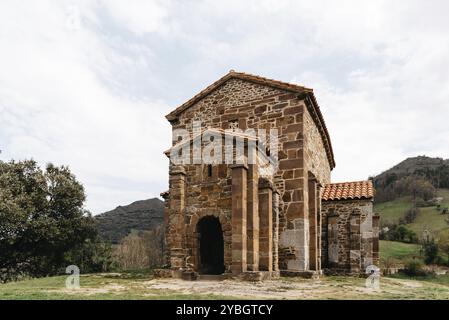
[327, 288]
[105, 286]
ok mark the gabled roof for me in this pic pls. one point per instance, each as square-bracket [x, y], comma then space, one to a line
[266, 162]
[348, 191]
[218, 131]
[304, 92]
[223, 133]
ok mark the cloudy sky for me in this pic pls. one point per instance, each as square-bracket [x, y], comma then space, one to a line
[87, 83]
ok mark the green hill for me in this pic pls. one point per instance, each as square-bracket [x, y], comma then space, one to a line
[141, 215]
[428, 218]
[436, 170]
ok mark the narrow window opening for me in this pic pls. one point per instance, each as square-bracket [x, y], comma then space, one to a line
[209, 170]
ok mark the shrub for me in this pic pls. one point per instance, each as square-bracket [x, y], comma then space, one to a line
[414, 268]
[430, 248]
[410, 215]
[394, 232]
[141, 250]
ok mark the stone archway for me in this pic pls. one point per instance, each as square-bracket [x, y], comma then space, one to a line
[210, 246]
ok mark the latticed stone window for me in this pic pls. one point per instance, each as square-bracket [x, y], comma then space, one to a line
[234, 124]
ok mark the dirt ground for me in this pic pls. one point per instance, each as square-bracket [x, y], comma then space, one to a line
[284, 288]
[122, 286]
[327, 288]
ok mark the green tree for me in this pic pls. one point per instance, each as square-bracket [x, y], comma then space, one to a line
[430, 248]
[42, 218]
[443, 243]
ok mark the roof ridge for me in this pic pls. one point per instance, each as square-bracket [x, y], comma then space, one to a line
[269, 79]
[358, 181]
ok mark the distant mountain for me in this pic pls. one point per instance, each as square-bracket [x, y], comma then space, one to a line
[436, 170]
[139, 216]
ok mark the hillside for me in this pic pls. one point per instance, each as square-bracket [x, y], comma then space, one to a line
[140, 215]
[436, 170]
[424, 176]
[428, 218]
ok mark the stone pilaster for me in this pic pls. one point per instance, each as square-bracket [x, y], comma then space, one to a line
[239, 216]
[376, 219]
[313, 225]
[266, 225]
[276, 230]
[319, 226]
[176, 223]
[355, 246]
[253, 219]
[166, 196]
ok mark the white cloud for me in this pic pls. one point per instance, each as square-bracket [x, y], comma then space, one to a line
[138, 16]
[87, 83]
[56, 109]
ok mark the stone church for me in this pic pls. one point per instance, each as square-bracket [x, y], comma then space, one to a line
[237, 219]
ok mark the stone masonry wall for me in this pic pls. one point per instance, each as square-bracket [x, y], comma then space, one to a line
[262, 107]
[343, 221]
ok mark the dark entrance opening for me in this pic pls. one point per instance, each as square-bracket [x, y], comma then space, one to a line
[211, 246]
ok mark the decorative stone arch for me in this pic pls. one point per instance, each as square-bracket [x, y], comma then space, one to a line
[192, 237]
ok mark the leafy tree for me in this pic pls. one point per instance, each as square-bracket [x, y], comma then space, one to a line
[394, 232]
[430, 248]
[42, 218]
[443, 243]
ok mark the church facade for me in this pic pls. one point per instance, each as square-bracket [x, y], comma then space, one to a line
[253, 216]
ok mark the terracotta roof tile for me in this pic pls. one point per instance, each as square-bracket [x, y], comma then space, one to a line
[348, 190]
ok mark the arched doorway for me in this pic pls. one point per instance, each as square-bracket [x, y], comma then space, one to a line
[211, 246]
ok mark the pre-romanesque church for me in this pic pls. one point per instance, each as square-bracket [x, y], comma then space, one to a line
[238, 219]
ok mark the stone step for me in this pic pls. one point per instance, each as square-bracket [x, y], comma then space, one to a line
[211, 277]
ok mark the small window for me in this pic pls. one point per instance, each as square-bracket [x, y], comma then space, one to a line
[234, 124]
[209, 170]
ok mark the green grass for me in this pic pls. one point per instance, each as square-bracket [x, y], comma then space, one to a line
[429, 218]
[115, 286]
[127, 286]
[399, 252]
[392, 211]
[441, 279]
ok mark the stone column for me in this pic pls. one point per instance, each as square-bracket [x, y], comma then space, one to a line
[239, 207]
[376, 218]
[313, 226]
[253, 218]
[176, 223]
[166, 196]
[276, 230]
[332, 240]
[355, 239]
[319, 226]
[266, 225]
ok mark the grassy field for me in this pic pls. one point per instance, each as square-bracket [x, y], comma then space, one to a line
[116, 286]
[398, 252]
[428, 218]
[392, 211]
[92, 287]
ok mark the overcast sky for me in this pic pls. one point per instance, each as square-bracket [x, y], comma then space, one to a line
[87, 83]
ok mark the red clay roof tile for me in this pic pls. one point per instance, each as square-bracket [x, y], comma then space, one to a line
[348, 190]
